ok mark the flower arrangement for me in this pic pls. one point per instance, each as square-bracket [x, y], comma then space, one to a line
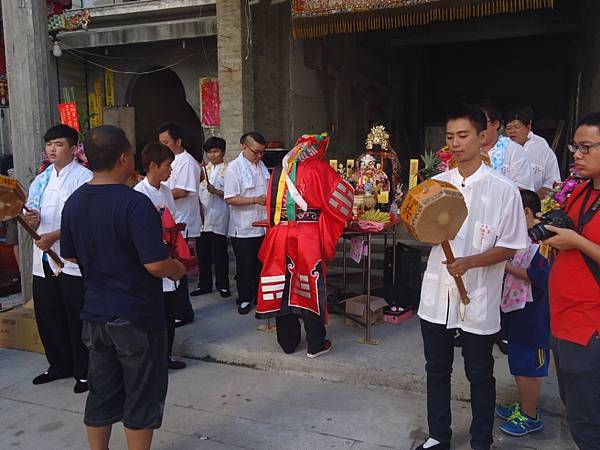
[561, 191]
[445, 158]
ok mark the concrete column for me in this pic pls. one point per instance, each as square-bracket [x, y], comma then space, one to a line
[27, 61]
[236, 77]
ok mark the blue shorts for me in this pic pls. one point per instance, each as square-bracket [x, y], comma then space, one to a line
[528, 362]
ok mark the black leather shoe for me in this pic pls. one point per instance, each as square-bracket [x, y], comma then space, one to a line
[245, 307]
[46, 378]
[225, 293]
[176, 365]
[80, 387]
[440, 446]
[200, 291]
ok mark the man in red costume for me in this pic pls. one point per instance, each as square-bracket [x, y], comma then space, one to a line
[308, 205]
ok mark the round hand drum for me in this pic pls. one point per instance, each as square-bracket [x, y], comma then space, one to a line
[12, 198]
[433, 212]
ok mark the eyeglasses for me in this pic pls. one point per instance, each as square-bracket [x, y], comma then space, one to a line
[582, 148]
[256, 152]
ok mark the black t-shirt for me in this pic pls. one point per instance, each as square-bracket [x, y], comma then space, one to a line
[113, 231]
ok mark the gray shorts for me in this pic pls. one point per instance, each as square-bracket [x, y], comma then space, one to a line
[127, 375]
[12, 234]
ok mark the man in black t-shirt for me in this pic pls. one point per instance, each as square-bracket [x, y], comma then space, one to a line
[115, 235]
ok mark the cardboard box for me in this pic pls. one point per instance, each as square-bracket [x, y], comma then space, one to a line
[18, 330]
[397, 318]
[357, 307]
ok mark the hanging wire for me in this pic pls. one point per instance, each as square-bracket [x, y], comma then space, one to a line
[248, 28]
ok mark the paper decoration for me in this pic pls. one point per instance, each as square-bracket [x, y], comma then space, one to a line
[109, 88]
[413, 173]
[98, 89]
[333, 163]
[358, 249]
[93, 108]
[210, 102]
[68, 114]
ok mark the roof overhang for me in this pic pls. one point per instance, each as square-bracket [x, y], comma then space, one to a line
[316, 18]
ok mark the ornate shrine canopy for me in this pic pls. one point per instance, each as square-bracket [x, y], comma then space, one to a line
[315, 18]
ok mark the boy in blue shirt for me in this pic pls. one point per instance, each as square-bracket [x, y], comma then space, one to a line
[528, 329]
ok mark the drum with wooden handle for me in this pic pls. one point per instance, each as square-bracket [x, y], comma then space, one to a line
[433, 212]
[12, 202]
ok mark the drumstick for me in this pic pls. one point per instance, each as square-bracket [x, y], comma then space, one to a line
[459, 282]
[37, 237]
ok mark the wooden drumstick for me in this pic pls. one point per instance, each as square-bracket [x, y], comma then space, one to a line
[37, 237]
[459, 282]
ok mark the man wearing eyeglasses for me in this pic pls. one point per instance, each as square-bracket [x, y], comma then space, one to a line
[574, 288]
[506, 156]
[246, 181]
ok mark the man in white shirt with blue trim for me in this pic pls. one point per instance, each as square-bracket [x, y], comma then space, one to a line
[246, 181]
[58, 295]
[544, 164]
[492, 233]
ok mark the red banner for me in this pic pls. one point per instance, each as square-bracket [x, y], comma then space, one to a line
[68, 114]
[210, 102]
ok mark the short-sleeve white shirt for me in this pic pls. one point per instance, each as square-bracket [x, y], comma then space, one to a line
[495, 219]
[216, 211]
[242, 217]
[161, 198]
[516, 165]
[59, 188]
[544, 163]
[186, 175]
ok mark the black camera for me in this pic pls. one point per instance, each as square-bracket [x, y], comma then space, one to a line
[557, 218]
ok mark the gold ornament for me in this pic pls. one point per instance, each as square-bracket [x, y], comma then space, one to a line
[378, 136]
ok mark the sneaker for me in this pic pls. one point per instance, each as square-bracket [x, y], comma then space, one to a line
[81, 386]
[326, 348]
[440, 446]
[225, 293]
[176, 365]
[506, 411]
[521, 425]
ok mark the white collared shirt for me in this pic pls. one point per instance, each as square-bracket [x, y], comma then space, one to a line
[59, 188]
[242, 217]
[495, 219]
[186, 176]
[161, 198]
[544, 163]
[516, 166]
[216, 211]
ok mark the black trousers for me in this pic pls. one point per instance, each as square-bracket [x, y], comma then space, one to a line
[211, 249]
[170, 303]
[182, 305]
[438, 342]
[58, 304]
[247, 267]
[578, 370]
[289, 332]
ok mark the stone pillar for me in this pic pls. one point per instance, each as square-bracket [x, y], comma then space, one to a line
[27, 62]
[236, 77]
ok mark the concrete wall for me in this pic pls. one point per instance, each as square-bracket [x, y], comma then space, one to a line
[589, 59]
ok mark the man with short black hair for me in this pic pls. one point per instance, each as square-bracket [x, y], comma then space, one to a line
[115, 235]
[246, 181]
[574, 287]
[492, 233]
[544, 165]
[506, 156]
[58, 295]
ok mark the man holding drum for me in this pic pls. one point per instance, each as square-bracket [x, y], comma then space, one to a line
[492, 232]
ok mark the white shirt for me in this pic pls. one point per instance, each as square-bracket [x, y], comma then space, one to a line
[544, 163]
[216, 211]
[516, 165]
[59, 188]
[495, 219]
[161, 198]
[242, 217]
[186, 176]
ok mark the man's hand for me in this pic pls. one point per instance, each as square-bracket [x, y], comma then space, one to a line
[459, 266]
[47, 240]
[32, 217]
[262, 200]
[178, 270]
[565, 239]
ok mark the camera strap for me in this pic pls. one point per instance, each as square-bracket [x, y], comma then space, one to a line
[584, 218]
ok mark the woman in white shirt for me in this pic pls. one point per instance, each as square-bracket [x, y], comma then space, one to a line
[211, 247]
[156, 161]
